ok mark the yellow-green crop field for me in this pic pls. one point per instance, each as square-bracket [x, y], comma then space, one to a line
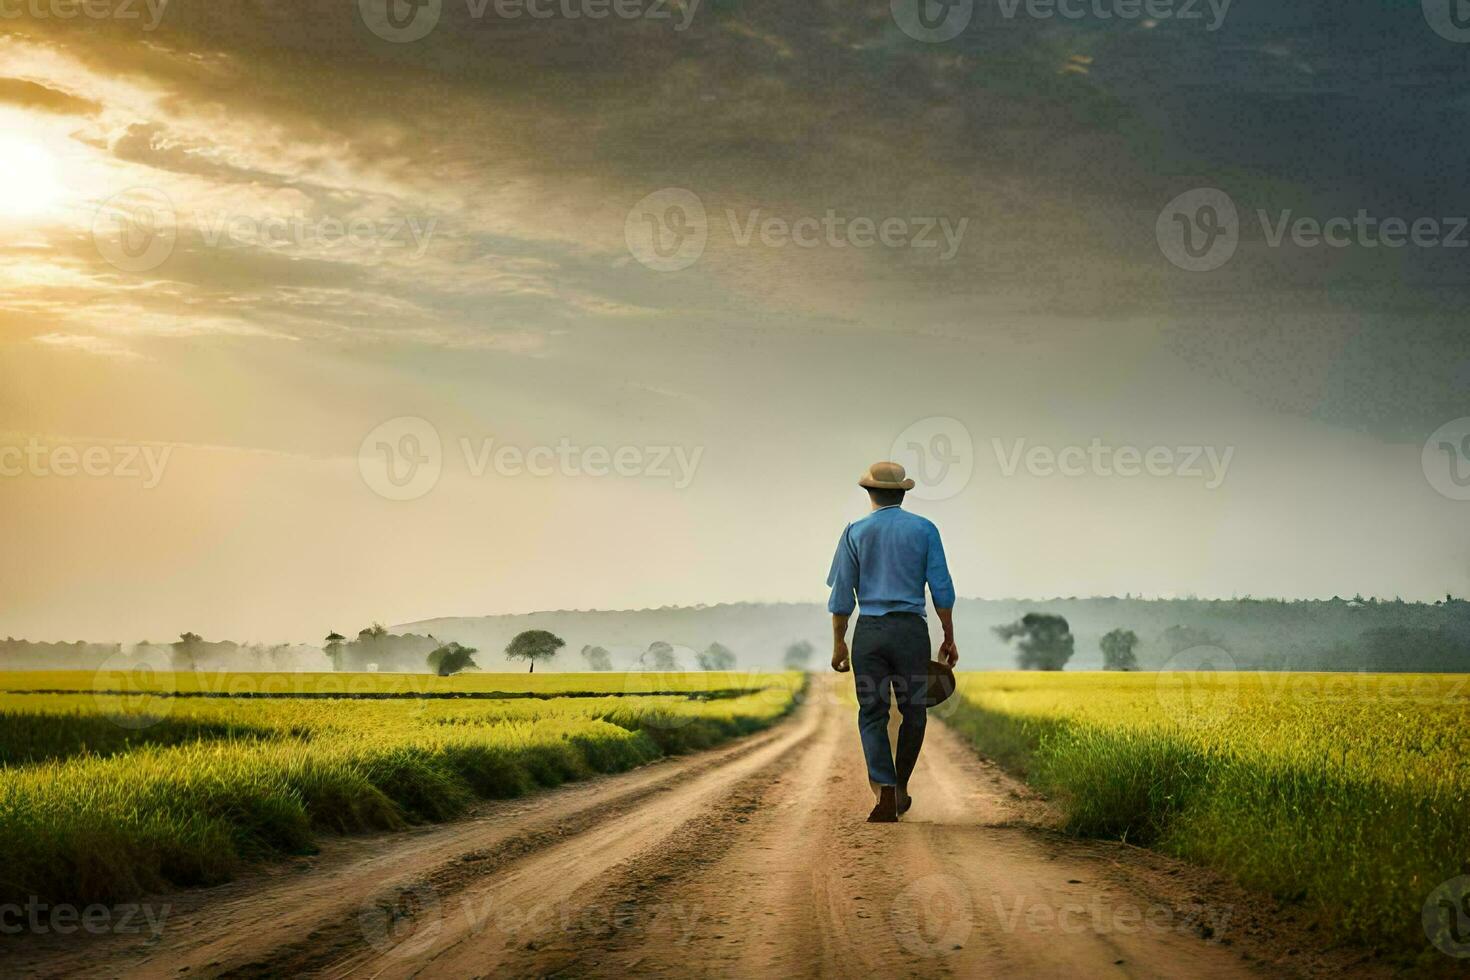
[1348, 793]
[115, 784]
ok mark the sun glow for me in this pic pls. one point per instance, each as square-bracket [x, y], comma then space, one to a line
[29, 184]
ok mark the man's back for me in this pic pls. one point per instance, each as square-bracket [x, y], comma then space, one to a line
[884, 560]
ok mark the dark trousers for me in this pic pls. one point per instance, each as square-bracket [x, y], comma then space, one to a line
[891, 653]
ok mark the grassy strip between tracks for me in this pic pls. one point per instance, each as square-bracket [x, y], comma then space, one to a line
[107, 798]
[1349, 794]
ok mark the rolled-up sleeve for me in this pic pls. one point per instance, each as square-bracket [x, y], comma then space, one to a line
[843, 578]
[941, 586]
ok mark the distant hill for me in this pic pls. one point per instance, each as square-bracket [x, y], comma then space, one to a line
[1333, 634]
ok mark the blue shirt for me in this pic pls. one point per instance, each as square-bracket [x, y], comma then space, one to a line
[884, 560]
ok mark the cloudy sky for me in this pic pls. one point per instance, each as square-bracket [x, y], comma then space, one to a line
[315, 312]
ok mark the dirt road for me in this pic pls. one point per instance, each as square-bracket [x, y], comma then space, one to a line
[752, 860]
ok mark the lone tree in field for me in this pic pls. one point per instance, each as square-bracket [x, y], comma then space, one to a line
[186, 651]
[798, 655]
[452, 658]
[716, 656]
[333, 649]
[534, 645]
[597, 658]
[658, 656]
[1046, 641]
[1117, 647]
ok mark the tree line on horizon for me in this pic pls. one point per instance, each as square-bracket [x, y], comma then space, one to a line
[1356, 633]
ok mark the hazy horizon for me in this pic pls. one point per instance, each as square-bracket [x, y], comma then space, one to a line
[410, 623]
[307, 325]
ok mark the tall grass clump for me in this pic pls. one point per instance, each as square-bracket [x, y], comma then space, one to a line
[101, 802]
[1350, 796]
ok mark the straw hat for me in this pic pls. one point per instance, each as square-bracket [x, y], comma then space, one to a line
[886, 475]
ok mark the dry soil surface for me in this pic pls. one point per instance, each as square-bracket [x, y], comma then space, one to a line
[751, 860]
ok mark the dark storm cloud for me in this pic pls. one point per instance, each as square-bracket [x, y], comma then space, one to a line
[1060, 138]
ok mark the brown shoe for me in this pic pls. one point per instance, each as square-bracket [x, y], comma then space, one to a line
[904, 802]
[886, 811]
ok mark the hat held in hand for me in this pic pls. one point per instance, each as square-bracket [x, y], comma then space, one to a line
[886, 475]
[940, 685]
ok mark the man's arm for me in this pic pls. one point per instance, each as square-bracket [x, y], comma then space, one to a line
[941, 590]
[948, 652]
[841, 658]
[843, 579]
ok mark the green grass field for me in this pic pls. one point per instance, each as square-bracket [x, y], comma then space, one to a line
[1349, 793]
[123, 787]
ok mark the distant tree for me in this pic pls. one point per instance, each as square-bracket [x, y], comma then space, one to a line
[186, 651]
[1177, 639]
[334, 649]
[451, 658]
[597, 658]
[798, 655]
[1117, 647]
[658, 656]
[534, 645]
[716, 656]
[374, 631]
[1046, 641]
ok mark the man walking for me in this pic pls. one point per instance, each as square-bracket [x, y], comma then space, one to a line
[882, 565]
